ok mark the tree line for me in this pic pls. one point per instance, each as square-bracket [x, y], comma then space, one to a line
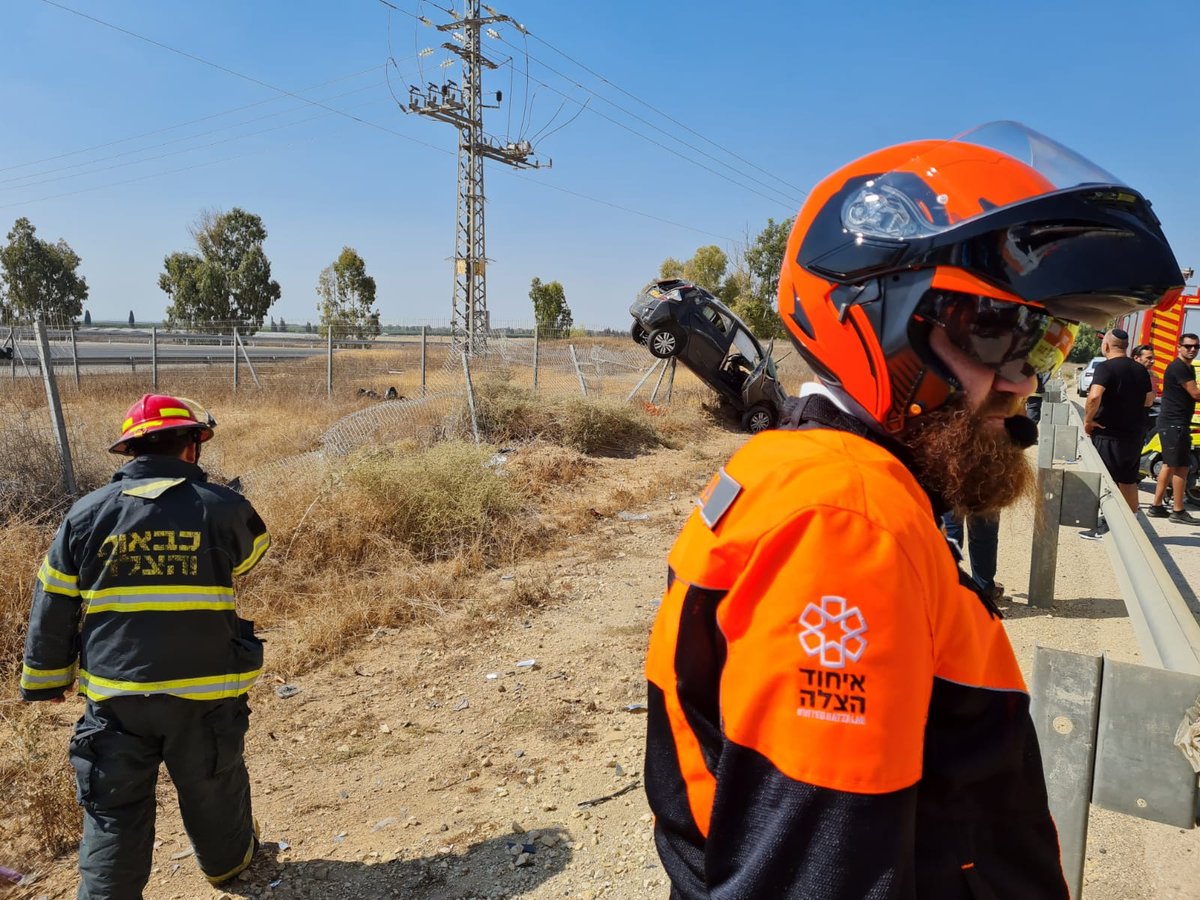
[223, 281]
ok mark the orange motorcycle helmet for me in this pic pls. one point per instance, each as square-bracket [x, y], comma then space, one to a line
[1002, 237]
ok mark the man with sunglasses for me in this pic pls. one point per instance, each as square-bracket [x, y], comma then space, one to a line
[1179, 396]
[834, 709]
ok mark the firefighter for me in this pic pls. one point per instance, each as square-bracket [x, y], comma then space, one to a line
[834, 708]
[135, 599]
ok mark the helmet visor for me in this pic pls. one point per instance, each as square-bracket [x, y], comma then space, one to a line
[954, 181]
[1015, 340]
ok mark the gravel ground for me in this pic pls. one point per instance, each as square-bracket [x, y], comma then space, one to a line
[440, 764]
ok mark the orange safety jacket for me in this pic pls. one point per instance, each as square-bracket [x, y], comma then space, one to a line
[833, 713]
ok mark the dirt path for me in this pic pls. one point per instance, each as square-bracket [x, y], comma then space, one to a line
[475, 759]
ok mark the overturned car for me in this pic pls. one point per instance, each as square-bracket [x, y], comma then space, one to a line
[675, 318]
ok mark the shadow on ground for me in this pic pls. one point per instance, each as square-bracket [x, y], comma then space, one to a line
[513, 865]
[1017, 607]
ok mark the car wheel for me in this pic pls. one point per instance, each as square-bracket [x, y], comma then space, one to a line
[758, 418]
[665, 342]
[638, 333]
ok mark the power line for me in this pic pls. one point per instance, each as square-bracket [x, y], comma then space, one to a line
[234, 73]
[158, 131]
[11, 183]
[669, 149]
[771, 187]
[666, 116]
[294, 95]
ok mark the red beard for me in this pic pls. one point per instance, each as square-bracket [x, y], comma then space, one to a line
[973, 465]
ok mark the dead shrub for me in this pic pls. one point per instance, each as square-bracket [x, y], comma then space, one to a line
[441, 502]
[22, 545]
[605, 428]
[37, 783]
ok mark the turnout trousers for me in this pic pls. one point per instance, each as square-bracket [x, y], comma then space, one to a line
[116, 751]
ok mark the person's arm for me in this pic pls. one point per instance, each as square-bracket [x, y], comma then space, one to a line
[250, 536]
[51, 645]
[1091, 407]
[824, 697]
[1193, 391]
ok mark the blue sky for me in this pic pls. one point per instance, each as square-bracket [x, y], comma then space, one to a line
[787, 91]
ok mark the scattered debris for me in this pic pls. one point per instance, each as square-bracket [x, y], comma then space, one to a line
[530, 664]
[619, 770]
[635, 707]
[462, 704]
[9, 875]
[286, 690]
[626, 516]
[492, 676]
[383, 823]
[385, 728]
[183, 854]
[276, 883]
[283, 845]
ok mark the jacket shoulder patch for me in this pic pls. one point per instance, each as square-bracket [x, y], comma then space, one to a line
[717, 498]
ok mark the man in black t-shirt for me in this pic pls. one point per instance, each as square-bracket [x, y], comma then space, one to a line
[1179, 396]
[1115, 414]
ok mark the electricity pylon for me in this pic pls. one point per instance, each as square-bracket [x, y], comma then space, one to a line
[463, 108]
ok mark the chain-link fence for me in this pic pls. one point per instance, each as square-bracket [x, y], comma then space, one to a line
[289, 402]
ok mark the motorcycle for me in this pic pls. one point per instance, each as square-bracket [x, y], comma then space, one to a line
[1151, 464]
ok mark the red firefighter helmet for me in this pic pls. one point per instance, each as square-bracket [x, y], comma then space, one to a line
[159, 412]
[1002, 237]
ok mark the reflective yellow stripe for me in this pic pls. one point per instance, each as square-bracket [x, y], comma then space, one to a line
[167, 597]
[40, 679]
[126, 425]
[158, 589]
[56, 582]
[172, 411]
[240, 867]
[154, 488]
[261, 543]
[212, 687]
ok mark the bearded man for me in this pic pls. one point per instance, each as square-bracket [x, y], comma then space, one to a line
[835, 710]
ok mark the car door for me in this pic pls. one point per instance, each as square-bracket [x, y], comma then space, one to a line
[709, 336]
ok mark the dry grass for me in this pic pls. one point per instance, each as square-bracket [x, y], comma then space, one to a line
[408, 531]
[37, 787]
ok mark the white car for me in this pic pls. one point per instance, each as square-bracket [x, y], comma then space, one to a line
[1085, 377]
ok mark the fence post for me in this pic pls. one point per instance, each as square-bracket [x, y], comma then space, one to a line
[56, 414]
[658, 384]
[329, 361]
[246, 357]
[671, 381]
[74, 356]
[470, 395]
[422, 360]
[234, 344]
[154, 357]
[535, 357]
[578, 371]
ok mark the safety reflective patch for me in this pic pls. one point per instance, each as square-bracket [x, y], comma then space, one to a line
[153, 489]
[717, 497]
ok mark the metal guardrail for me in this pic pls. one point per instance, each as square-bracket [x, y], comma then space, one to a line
[1166, 630]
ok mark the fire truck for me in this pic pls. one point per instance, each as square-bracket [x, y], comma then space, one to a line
[1161, 328]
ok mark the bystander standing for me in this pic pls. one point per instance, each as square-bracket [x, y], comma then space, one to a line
[1114, 417]
[1179, 396]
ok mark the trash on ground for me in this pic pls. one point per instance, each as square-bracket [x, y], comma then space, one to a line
[626, 516]
[286, 690]
[636, 707]
[527, 664]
